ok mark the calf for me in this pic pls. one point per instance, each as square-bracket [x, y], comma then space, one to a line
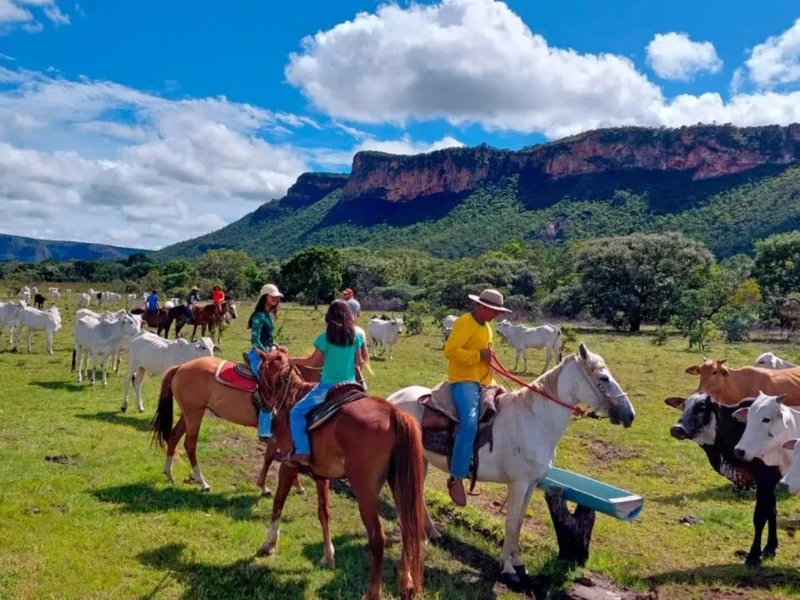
[38, 301]
[385, 333]
[149, 353]
[521, 338]
[34, 319]
[55, 296]
[84, 299]
[769, 361]
[25, 295]
[101, 338]
[717, 431]
[109, 316]
[730, 386]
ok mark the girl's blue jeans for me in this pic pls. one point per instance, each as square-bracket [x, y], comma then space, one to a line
[264, 417]
[297, 418]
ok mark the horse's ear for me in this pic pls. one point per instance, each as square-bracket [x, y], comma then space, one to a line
[261, 354]
[584, 351]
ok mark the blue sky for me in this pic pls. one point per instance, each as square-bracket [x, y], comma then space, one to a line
[115, 113]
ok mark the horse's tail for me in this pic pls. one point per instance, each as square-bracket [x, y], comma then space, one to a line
[162, 421]
[409, 481]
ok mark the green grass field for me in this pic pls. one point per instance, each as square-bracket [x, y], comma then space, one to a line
[104, 524]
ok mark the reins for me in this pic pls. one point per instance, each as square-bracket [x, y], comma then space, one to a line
[498, 367]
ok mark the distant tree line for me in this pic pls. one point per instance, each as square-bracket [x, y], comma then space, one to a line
[658, 279]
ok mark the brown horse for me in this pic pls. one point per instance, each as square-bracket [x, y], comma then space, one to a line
[368, 442]
[157, 319]
[209, 316]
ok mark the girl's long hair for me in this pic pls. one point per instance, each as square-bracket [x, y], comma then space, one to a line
[341, 329]
[261, 306]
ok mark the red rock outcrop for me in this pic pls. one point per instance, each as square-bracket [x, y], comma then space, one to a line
[703, 151]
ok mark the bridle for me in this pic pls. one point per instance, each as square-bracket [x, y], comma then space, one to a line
[592, 377]
[284, 392]
[495, 364]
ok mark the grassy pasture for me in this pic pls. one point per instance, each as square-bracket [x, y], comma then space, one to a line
[104, 524]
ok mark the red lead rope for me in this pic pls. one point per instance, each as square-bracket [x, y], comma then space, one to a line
[495, 364]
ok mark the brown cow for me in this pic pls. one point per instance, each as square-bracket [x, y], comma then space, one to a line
[730, 386]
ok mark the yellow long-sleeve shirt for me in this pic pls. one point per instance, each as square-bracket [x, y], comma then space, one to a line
[463, 351]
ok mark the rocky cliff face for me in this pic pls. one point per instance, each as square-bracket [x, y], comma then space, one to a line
[703, 152]
[312, 187]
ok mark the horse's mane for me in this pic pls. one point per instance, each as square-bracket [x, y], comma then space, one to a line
[547, 381]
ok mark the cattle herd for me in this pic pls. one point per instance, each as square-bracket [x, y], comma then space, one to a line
[742, 418]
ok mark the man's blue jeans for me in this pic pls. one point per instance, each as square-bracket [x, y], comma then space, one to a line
[264, 417]
[297, 418]
[466, 398]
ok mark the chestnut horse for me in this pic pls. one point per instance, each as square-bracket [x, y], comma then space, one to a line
[209, 317]
[368, 442]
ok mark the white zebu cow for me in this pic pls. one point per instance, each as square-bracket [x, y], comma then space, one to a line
[447, 326]
[149, 353]
[110, 298]
[84, 299]
[25, 294]
[54, 295]
[100, 338]
[34, 319]
[769, 361]
[384, 333]
[109, 316]
[9, 315]
[521, 338]
[131, 300]
[171, 303]
[69, 293]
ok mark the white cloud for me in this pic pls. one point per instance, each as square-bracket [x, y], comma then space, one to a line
[14, 13]
[776, 61]
[405, 145]
[475, 61]
[674, 56]
[99, 156]
[124, 236]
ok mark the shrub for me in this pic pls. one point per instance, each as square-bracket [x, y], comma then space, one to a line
[414, 317]
[737, 326]
[661, 337]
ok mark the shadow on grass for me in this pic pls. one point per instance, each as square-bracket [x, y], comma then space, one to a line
[145, 498]
[734, 575]
[386, 509]
[60, 386]
[116, 418]
[243, 579]
[723, 493]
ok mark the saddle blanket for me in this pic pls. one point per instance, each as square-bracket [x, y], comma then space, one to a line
[441, 400]
[229, 373]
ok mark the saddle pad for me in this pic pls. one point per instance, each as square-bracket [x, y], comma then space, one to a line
[227, 374]
[441, 400]
[337, 397]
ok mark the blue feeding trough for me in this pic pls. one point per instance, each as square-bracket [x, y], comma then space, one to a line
[598, 496]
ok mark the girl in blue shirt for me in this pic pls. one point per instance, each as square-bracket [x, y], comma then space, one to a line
[337, 351]
[262, 328]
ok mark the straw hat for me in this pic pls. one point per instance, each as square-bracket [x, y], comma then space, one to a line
[270, 290]
[491, 299]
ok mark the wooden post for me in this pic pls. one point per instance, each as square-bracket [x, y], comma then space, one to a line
[573, 530]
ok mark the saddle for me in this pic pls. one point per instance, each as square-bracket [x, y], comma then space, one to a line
[337, 397]
[237, 376]
[439, 423]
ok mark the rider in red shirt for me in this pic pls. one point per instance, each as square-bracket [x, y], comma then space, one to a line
[218, 297]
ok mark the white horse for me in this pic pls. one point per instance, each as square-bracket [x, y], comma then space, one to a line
[526, 431]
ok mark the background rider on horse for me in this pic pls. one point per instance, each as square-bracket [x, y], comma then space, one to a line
[152, 302]
[469, 351]
[191, 299]
[218, 298]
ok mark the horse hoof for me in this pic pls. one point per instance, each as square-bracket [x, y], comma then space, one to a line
[326, 563]
[206, 490]
[753, 561]
[521, 571]
[301, 492]
[768, 553]
[141, 410]
[123, 408]
[266, 550]
[266, 493]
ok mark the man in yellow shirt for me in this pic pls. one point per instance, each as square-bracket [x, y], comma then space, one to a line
[469, 350]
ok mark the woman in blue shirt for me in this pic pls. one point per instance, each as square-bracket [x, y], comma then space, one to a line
[262, 328]
[337, 352]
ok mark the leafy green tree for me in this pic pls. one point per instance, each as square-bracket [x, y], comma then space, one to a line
[223, 266]
[177, 276]
[777, 264]
[316, 273]
[635, 279]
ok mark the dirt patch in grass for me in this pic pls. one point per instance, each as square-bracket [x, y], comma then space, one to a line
[603, 452]
[60, 459]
